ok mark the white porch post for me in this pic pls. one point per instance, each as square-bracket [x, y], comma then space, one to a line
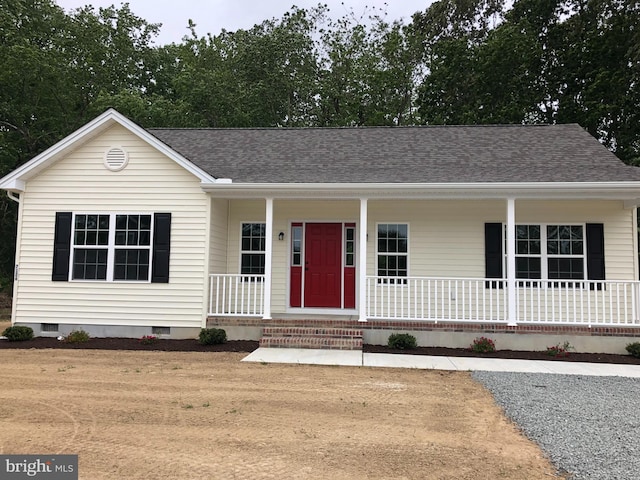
[268, 258]
[511, 262]
[362, 297]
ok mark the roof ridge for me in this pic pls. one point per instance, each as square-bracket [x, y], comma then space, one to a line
[368, 127]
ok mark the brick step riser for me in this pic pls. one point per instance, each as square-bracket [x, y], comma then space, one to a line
[309, 331]
[328, 343]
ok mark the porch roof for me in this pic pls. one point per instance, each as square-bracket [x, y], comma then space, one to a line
[400, 155]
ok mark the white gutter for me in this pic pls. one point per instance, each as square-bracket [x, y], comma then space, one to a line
[13, 196]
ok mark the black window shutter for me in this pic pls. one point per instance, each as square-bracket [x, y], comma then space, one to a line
[493, 256]
[61, 247]
[595, 252]
[161, 248]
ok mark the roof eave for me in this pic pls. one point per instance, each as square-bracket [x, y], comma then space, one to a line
[535, 190]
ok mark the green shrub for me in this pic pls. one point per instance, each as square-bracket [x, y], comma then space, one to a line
[483, 345]
[634, 349]
[77, 336]
[402, 341]
[212, 336]
[18, 333]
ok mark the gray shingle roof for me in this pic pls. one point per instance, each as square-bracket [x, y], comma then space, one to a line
[432, 154]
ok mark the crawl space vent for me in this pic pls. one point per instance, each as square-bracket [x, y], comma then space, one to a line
[116, 159]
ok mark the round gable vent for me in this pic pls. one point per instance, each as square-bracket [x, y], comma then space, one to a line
[116, 159]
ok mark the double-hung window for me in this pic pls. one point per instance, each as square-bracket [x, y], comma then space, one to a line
[111, 247]
[393, 248]
[252, 249]
[550, 252]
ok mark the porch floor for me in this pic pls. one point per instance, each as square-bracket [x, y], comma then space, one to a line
[358, 358]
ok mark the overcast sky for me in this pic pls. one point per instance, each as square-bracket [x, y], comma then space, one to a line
[211, 16]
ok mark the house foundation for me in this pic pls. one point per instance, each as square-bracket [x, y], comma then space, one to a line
[595, 339]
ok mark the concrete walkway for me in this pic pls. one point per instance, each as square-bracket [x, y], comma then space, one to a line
[357, 358]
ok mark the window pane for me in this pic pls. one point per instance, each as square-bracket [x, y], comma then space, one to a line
[576, 247]
[145, 222]
[103, 222]
[576, 232]
[145, 238]
[81, 221]
[382, 245]
[121, 222]
[79, 238]
[121, 238]
[522, 247]
[132, 222]
[91, 238]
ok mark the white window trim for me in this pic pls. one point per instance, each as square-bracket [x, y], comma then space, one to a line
[111, 247]
[544, 256]
[385, 253]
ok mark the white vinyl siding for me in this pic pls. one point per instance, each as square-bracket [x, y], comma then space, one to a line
[218, 236]
[80, 182]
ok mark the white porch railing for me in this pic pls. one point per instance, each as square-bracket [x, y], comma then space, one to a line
[553, 302]
[581, 302]
[237, 295]
[436, 299]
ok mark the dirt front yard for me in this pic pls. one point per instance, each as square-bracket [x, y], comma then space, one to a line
[169, 415]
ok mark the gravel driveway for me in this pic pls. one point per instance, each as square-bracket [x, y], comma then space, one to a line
[588, 426]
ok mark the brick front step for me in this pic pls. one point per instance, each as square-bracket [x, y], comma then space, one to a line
[310, 337]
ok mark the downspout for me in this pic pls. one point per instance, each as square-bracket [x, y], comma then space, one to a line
[13, 196]
[16, 198]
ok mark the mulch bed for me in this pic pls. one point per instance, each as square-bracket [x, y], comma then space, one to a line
[462, 352]
[248, 346]
[190, 345]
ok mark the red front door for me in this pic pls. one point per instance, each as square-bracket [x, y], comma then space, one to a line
[323, 265]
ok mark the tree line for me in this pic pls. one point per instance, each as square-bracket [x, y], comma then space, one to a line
[457, 62]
